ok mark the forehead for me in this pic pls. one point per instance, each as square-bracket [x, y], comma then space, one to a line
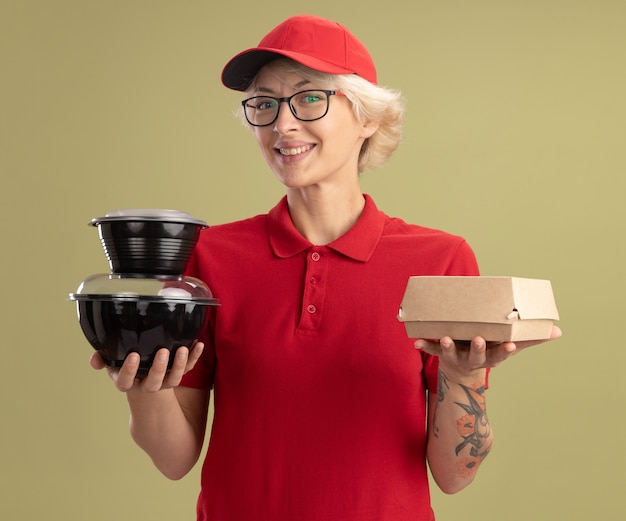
[272, 79]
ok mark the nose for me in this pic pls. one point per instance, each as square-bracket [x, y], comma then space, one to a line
[285, 121]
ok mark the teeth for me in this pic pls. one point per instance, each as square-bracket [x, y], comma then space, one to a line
[294, 151]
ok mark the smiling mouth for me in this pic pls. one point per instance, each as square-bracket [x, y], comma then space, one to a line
[294, 151]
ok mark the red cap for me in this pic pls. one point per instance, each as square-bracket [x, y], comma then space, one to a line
[317, 43]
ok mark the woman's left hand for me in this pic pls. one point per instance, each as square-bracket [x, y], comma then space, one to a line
[469, 358]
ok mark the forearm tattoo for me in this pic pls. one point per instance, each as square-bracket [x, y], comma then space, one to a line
[442, 388]
[473, 427]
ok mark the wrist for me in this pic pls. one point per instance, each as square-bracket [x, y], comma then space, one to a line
[473, 379]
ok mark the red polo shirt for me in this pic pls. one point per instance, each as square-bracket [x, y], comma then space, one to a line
[320, 406]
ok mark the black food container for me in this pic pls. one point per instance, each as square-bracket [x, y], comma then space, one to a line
[145, 303]
[148, 241]
[120, 314]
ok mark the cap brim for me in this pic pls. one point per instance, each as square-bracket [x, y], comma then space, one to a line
[241, 70]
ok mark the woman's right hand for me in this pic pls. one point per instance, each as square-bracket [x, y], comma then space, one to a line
[158, 378]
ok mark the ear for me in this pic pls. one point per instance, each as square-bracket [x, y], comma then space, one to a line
[369, 127]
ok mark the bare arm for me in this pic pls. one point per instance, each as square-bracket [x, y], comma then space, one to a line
[459, 433]
[167, 421]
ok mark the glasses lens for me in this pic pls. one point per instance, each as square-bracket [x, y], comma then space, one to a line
[309, 104]
[261, 110]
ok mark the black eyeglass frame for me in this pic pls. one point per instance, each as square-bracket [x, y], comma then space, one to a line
[287, 99]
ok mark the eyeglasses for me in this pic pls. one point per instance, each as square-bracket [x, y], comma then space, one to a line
[307, 105]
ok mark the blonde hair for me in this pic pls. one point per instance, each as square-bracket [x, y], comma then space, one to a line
[371, 103]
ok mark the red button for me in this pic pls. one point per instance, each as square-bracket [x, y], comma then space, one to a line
[311, 308]
[315, 256]
[313, 280]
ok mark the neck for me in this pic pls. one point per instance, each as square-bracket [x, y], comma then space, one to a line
[323, 217]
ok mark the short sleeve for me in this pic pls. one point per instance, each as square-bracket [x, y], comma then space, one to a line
[463, 263]
[202, 374]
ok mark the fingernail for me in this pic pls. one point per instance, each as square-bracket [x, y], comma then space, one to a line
[162, 357]
[420, 344]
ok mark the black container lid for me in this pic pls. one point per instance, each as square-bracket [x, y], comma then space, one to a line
[173, 289]
[148, 214]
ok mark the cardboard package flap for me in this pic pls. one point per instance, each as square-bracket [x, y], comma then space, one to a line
[498, 309]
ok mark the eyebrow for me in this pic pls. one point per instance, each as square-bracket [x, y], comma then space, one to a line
[298, 85]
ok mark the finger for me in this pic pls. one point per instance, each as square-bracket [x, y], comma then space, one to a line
[124, 378]
[96, 361]
[449, 353]
[554, 334]
[498, 353]
[477, 356]
[154, 379]
[432, 348]
[195, 354]
[447, 345]
[179, 366]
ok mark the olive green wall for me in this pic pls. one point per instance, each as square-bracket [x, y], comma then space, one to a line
[514, 138]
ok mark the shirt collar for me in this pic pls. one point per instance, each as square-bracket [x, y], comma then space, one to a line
[358, 243]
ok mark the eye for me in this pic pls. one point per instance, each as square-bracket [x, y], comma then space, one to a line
[312, 97]
[263, 103]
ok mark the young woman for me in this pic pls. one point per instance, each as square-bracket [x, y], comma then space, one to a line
[324, 409]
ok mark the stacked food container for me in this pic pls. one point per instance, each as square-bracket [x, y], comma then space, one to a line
[145, 303]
